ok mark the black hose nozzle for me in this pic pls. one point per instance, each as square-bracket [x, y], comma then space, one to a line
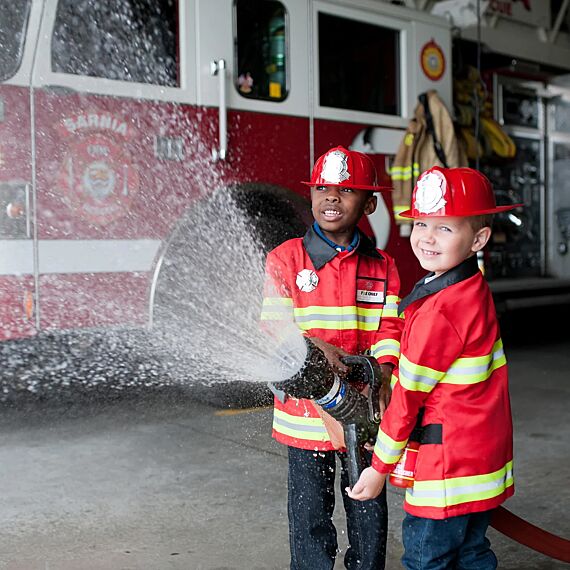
[359, 415]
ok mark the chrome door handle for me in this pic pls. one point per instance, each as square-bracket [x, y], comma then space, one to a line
[219, 68]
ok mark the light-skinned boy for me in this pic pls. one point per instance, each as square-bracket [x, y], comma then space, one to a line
[453, 368]
[343, 294]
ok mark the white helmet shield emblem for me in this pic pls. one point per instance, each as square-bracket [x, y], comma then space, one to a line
[429, 193]
[307, 280]
[335, 167]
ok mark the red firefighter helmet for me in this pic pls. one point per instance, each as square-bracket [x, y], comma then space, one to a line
[453, 192]
[347, 168]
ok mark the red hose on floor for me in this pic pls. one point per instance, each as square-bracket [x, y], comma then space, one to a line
[530, 535]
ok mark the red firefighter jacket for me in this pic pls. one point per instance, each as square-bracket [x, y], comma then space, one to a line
[453, 366]
[349, 299]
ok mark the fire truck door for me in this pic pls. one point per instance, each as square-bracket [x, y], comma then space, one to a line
[17, 253]
[253, 71]
[113, 109]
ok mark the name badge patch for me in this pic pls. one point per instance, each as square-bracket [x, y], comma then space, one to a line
[370, 290]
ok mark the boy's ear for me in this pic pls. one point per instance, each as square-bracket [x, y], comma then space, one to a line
[371, 204]
[481, 238]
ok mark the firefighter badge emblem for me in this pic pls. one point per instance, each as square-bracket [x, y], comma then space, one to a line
[97, 176]
[335, 167]
[307, 280]
[429, 194]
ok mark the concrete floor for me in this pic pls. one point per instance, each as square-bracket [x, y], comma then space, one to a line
[160, 481]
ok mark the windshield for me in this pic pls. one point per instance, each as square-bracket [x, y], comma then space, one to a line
[13, 25]
[125, 40]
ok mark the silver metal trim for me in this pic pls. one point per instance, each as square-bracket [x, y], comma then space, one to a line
[27, 189]
[543, 187]
[34, 210]
[158, 265]
[218, 67]
[332, 394]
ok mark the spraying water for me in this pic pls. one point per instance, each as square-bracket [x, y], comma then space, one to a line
[209, 299]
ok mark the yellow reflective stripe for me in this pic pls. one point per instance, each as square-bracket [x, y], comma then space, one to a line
[338, 325]
[458, 490]
[393, 381]
[404, 172]
[464, 371]
[385, 347]
[398, 209]
[390, 309]
[387, 449]
[337, 318]
[270, 301]
[475, 369]
[418, 378]
[300, 427]
[277, 309]
[271, 316]
[335, 311]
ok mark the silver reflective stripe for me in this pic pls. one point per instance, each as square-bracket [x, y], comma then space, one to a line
[468, 370]
[386, 345]
[416, 377]
[342, 318]
[390, 451]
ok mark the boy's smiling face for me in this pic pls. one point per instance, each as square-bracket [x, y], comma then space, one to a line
[338, 209]
[441, 243]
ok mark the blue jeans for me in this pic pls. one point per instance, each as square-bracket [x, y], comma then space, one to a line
[311, 500]
[456, 543]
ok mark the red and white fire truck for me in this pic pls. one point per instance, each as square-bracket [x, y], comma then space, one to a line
[116, 114]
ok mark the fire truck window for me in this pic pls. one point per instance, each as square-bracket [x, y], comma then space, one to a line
[13, 23]
[358, 66]
[261, 49]
[126, 40]
[561, 116]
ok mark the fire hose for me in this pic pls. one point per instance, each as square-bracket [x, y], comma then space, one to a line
[529, 535]
[360, 417]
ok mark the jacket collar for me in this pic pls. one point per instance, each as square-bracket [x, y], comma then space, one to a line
[421, 289]
[321, 252]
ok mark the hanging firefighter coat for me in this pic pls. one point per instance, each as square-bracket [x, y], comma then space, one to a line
[429, 141]
[453, 366]
[348, 298]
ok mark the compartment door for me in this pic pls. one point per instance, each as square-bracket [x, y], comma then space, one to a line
[18, 28]
[558, 252]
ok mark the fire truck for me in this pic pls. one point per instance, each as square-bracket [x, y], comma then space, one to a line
[117, 117]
